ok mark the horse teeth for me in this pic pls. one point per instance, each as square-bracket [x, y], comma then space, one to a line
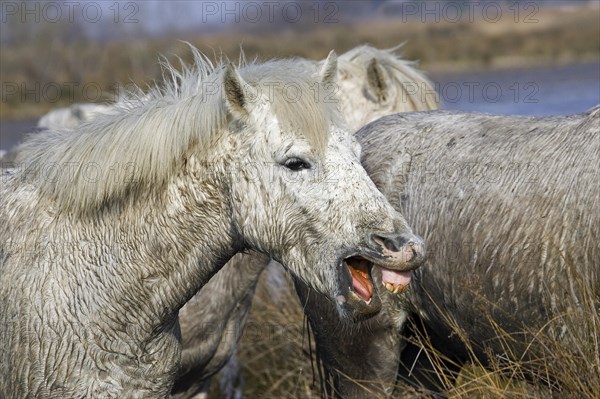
[400, 289]
[395, 289]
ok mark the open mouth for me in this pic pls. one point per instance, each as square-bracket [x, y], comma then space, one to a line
[362, 283]
[360, 271]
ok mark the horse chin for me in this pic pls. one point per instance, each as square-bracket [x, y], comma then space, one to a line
[358, 300]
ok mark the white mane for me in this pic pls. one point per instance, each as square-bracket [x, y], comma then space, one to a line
[154, 132]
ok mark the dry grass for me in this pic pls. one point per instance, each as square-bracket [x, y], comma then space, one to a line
[557, 36]
[275, 356]
[554, 365]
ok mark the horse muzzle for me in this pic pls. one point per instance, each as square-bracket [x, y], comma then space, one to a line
[396, 251]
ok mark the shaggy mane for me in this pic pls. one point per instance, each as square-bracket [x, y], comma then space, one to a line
[402, 72]
[141, 143]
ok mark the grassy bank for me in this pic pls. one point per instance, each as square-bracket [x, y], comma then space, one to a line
[45, 72]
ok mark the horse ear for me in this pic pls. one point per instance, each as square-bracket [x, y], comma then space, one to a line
[377, 81]
[329, 69]
[238, 94]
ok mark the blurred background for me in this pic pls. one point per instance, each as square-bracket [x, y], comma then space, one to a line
[513, 57]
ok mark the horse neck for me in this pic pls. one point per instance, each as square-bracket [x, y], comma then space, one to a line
[176, 243]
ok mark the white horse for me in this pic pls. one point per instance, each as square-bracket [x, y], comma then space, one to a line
[107, 233]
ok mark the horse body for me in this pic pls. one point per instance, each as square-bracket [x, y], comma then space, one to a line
[94, 268]
[516, 226]
[509, 207]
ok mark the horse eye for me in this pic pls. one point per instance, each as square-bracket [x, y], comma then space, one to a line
[296, 164]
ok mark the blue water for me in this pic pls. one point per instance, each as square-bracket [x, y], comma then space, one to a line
[557, 90]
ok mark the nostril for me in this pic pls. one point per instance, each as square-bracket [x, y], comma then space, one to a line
[393, 241]
[408, 247]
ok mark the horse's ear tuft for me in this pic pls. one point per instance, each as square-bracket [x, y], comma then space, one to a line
[329, 69]
[377, 81]
[235, 92]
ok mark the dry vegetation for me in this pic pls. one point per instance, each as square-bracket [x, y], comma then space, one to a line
[275, 356]
[562, 359]
[555, 36]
